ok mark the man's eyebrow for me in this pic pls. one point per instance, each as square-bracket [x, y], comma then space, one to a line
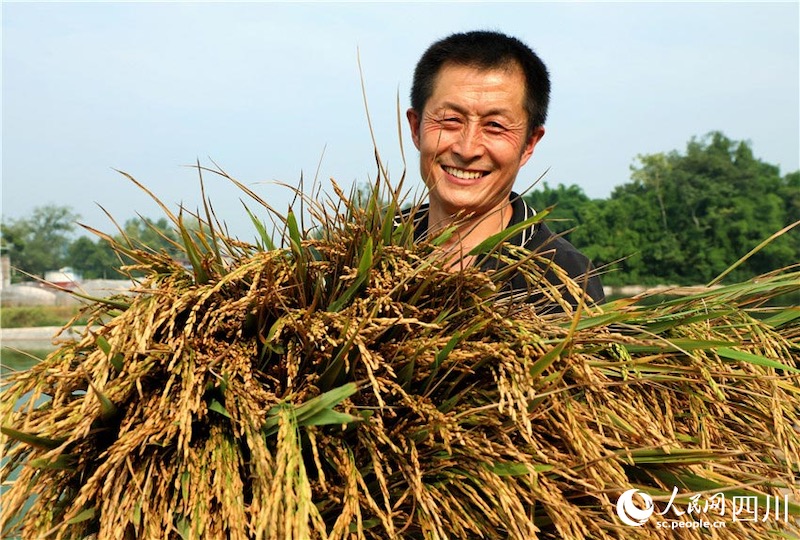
[446, 106]
[460, 110]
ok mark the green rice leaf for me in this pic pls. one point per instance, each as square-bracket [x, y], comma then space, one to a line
[491, 243]
[64, 462]
[784, 317]
[264, 239]
[328, 416]
[681, 456]
[116, 361]
[108, 410]
[103, 344]
[662, 326]
[331, 398]
[317, 409]
[387, 227]
[754, 359]
[443, 236]
[365, 264]
[513, 469]
[621, 423]
[195, 259]
[83, 516]
[441, 356]
[217, 407]
[366, 524]
[184, 526]
[294, 231]
[364, 267]
[136, 519]
[680, 344]
[599, 321]
[32, 440]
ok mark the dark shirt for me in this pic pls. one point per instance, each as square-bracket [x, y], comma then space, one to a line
[537, 238]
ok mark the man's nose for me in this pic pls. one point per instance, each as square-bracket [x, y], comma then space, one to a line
[469, 144]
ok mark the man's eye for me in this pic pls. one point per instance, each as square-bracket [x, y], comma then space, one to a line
[495, 126]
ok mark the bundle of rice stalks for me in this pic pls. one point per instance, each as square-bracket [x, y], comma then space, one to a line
[343, 384]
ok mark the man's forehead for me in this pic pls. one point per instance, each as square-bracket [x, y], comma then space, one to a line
[510, 67]
[445, 102]
[506, 66]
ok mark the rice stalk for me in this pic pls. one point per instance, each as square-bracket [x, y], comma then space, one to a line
[338, 382]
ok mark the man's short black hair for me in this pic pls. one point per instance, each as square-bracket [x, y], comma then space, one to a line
[485, 50]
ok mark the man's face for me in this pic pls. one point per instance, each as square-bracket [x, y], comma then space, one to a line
[471, 137]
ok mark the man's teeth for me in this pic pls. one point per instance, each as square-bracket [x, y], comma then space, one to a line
[460, 173]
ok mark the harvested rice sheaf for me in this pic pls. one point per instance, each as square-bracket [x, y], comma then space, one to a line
[344, 385]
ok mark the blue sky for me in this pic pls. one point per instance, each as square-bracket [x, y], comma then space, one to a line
[264, 89]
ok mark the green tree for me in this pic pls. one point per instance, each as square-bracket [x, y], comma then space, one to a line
[686, 217]
[570, 205]
[716, 202]
[97, 260]
[40, 242]
[156, 235]
[789, 193]
[93, 259]
[142, 233]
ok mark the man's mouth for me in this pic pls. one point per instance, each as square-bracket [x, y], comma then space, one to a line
[462, 173]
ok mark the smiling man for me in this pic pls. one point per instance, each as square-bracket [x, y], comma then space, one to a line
[478, 106]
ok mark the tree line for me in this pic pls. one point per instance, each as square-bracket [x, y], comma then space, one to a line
[683, 218]
[45, 241]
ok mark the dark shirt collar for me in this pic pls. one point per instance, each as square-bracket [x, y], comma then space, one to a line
[520, 211]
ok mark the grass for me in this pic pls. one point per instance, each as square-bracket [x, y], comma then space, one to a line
[13, 360]
[27, 316]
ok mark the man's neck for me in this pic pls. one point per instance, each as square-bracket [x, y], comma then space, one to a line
[470, 230]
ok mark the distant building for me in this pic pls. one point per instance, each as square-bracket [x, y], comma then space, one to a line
[5, 271]
[65, 278]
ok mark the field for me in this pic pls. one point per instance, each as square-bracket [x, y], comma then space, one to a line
[26, 316]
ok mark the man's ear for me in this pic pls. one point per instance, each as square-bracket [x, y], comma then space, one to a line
[530, 144]
[413, 122]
